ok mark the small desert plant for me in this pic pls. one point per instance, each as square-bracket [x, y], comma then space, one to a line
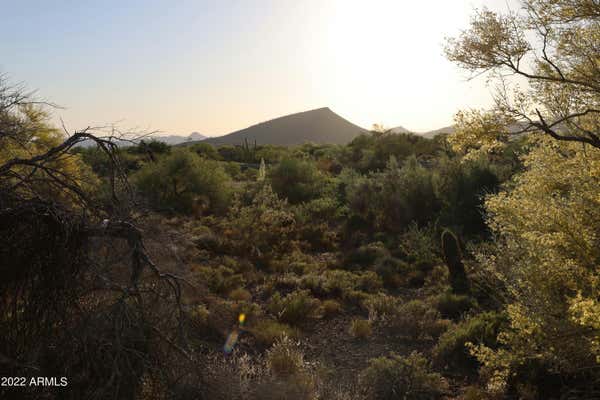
[220, 280]
[397, 377]
[417, 319]
[360, 328]
[451, 348]
[198, 321]
[285, 358]
[267, 332]
[392, 271]
[452, 305]
[240, 294]
[294, 308]
[381, 305]
[331, 308]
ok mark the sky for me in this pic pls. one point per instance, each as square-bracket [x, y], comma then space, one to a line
[217, 66]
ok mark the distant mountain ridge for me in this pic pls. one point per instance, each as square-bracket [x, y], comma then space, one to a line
[320, 125]
[171, 140]
[428, 134]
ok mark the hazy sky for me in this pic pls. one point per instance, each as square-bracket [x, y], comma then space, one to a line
[218, 66]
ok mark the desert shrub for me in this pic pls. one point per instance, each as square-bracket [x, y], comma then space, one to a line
[417, 319]
[475, 393]
[240, 294]
[320, 209]
[316, 218]
[206, 150]
[366, 255]
[381, 305]
[206, 240]
[461, 187]
[360, 328]
[220, 280]
[394, 198]
[233, 169]
[296, 180]
[355, 297]
[451, 348]
[198, 319]
[183, 182]
[437, 279]
[393, 272]
[397, 377]
[340, 283]
[285, 358]
[294, 308]
[452, 305]
[267, 332]
[418, 246]
[295, 387]
[263, 230]
[331, 308]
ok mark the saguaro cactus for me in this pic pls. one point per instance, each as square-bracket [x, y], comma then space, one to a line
[453, 259]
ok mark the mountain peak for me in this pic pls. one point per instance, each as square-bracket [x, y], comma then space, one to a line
[320, 125]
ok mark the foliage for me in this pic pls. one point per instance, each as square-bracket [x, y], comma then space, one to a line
[182, 182]
[452, 305]
[331, 308]
[360, 328]
[262, 230]
[547, 258]
[267, 332]
[285, 358]
[461, 186]
[481, 329]
[368, 153]
[395, 197]
[294, 308]
[417, 319]
[296, 180]
[409, 378]
[551, 46]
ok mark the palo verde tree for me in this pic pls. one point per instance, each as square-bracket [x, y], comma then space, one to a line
[546, 221]
[551, 45]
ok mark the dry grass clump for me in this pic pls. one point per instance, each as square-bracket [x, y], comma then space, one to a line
[240, 294]
[361, 328]
[267, 332]
[398, 377]
[294, 308]
[331, 308]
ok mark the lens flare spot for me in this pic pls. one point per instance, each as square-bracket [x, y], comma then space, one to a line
[231, 341]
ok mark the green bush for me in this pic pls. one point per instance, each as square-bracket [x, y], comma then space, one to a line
[183, 182]
[483, 328]
[240, 294]
[417, 319]
[220, 280]
[366, 255]
[397, 377]
[360, 328]
[340, 283]
[267, 332]
[452, 305]
[381, 305]
[294, 308]
[331, 308]
[296, 180]
[390, 271]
